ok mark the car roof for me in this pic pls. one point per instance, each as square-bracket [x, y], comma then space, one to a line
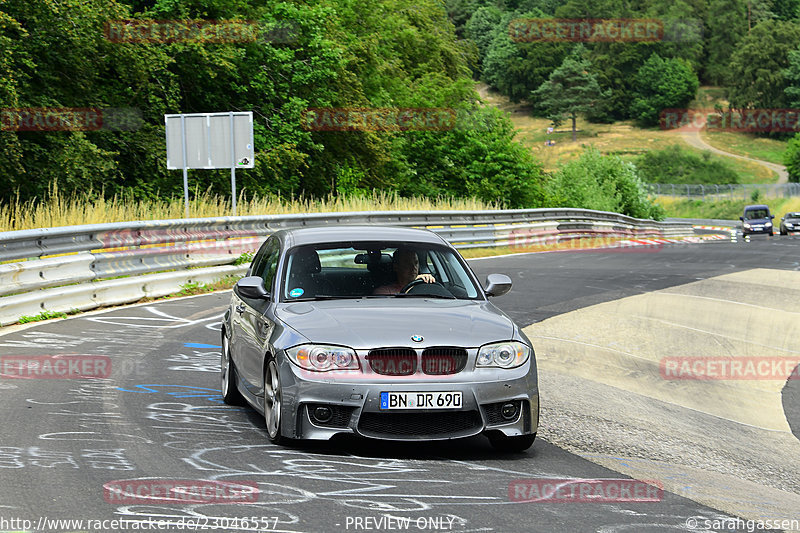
[757, 206]
[325, 234]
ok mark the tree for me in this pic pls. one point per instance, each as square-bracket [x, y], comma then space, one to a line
[517, 68]
[791, 158]
[727, 24]
[570, 89]
[759, 63]
[339, 54]
[786, 9]
[615, 65]
[482, 27]
[662, 84]
[792, 75]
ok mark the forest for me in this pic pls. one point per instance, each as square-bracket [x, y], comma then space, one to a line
[284, 60]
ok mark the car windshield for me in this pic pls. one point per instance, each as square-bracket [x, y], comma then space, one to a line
[375, 270]
[755, 213]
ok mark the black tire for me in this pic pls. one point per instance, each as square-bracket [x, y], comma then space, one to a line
[273, 402]
[228, 381]
[516, 444]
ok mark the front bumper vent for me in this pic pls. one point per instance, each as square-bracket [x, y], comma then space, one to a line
[428, 425]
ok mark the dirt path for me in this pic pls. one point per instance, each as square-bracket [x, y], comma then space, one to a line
[693, 138]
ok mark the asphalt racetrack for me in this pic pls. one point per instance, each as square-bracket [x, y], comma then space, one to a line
[723, 451]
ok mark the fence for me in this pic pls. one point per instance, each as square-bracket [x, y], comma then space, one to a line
[84, 267]
[732, 191]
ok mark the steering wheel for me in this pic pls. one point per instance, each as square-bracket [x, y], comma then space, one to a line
[415, 282]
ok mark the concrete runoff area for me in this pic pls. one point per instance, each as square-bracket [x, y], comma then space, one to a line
[725, 443]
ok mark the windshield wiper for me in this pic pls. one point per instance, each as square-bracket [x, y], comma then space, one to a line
[439, 296]
[323, 297]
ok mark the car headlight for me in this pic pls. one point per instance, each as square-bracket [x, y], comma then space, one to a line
[768, 224]
[746, 225]
[509, 354]
[323, 357]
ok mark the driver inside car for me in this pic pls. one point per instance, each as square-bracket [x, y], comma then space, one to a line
[405, 264]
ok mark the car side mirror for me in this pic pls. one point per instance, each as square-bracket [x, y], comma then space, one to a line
[771, 217]
[497, 284]
[252, 287]
[741, 218]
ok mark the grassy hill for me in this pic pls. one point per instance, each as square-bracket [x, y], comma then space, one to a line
[625, 139]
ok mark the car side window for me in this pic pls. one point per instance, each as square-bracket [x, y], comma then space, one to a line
[266, 265]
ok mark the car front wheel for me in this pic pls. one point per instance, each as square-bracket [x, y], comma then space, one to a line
[273, 401]
[228, 385]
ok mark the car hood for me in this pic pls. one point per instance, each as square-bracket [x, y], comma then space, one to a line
[757, 220]
[371, 323]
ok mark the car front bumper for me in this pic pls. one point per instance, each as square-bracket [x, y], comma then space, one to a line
[355, 405]
[757, 230]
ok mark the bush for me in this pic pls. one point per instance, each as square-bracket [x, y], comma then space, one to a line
[662, 84]
[675, 165]
[605, 183]
[791, 158]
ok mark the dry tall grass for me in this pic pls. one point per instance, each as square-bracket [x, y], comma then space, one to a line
[59, 210]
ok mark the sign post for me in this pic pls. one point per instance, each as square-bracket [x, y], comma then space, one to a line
[210, 140]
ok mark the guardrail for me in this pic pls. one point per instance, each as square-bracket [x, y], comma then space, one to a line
[744, 191]
[85, 267]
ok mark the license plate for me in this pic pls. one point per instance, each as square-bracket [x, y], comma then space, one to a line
[421, 400]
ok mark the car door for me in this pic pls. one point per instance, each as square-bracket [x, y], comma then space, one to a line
[251, 327]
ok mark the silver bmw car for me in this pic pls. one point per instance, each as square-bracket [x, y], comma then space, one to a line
[382, 332]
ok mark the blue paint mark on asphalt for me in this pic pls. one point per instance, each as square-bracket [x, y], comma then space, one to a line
[199, 345]
[180, 391]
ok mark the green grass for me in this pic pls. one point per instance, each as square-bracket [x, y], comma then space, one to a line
[746, 144]
[194, 288]
[621, 138]
[245, 258]
[724, 209]
[57, 210]
[46, 315]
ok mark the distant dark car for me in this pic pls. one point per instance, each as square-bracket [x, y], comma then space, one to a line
[757, 219]
[790, 222]
[319, 341]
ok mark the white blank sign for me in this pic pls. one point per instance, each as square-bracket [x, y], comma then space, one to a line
[208, 140]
